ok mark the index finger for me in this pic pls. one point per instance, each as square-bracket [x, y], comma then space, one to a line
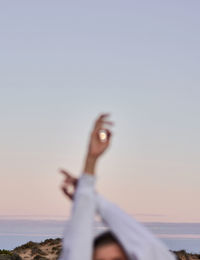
[100, 119]
[68, 175]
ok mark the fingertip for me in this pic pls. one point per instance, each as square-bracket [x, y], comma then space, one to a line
[61, 170]
[62, 187]
[102, 115]
[105, 115]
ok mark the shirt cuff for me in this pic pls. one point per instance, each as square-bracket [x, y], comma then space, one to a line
[87, 180]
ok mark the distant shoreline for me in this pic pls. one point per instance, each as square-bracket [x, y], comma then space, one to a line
[18, 232]
[51, 249]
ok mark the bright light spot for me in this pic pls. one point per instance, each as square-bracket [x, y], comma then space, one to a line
[103, 135]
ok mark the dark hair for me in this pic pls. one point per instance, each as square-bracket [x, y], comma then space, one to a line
[105, 239]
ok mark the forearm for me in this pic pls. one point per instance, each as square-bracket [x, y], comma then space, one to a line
[90, 164]
[78, 236]
[137, 240]
[77, 243]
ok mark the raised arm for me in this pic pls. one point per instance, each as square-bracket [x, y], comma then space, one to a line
[77, 243]
[78, 235]
[138, 242]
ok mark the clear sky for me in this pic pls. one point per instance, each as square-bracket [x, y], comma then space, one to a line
[64, 62]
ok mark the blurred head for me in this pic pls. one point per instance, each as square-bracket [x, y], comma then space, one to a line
[107, 247]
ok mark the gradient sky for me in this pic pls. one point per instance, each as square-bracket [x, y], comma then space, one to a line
[64, 62]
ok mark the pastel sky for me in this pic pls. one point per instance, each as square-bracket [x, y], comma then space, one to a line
[62, 63]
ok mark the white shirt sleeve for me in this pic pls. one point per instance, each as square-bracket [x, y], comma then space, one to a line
[78, 235]
[138, 242]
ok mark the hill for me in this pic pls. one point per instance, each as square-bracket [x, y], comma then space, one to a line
[50, 249]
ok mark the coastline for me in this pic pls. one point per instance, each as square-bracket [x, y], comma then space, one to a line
[50, 249]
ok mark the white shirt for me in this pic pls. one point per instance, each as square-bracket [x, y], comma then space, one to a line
[138, 242]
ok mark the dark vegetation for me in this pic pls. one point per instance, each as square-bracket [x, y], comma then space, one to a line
[54, 247]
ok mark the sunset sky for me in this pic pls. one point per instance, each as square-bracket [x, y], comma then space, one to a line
[62, 63]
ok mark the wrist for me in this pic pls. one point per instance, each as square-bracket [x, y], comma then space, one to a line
[92, 158]
[90, 164]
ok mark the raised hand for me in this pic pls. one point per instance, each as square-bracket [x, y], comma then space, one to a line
[69, 184]
[97, 146]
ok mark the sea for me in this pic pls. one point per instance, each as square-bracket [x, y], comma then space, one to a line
[13, 233]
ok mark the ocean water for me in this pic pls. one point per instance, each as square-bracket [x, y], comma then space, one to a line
[176, 236]
[14, 233]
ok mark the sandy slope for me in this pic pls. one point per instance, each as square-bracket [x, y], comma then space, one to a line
[51, 248]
